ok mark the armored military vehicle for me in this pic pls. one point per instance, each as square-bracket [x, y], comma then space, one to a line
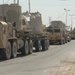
[15, 36]
[19, 35]
[57, 32]
[40, 40]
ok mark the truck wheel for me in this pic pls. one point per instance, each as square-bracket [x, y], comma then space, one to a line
[6, 54]
[64, 41]
[51, 43]
[44, 45]
[38, 46]
[14, 50]
[25, 49]
[60, 42]
[47, 44]
[30, 47]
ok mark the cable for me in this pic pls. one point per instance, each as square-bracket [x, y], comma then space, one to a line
[72, 11]
[6, 2]
[61, 15]
[54, 5]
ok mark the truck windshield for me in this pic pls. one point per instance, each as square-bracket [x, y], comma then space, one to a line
[49, 30]
[56, 30]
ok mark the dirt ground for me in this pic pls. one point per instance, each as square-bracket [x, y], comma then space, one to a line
[67, 67]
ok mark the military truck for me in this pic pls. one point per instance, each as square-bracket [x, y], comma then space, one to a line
[68, 37]
[57, 32]
[40, 40]
[72, 33]
[17, 34]
[73, 36]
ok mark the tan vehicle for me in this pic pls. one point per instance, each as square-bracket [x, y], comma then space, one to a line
[68, 36]
[12, 40]
[56, 36]
[20, 35]
[8, 41]
[73, 36]
[57, 32]
[40, 40]
[15, 36]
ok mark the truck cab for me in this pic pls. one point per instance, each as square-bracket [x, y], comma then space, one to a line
[55, 35]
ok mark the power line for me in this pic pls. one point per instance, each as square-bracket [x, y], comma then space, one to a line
[72, 11]
[7, 1]
[53, 5]
[61, 15]
[29, 7]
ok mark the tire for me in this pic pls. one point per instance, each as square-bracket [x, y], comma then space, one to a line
[14, 50]
[51, 43]
[47, 44]
[6, 53]
[38, 46]
[64, 41]
[44, 45]
[69, 40]
[30, 47]
[25, 49]
[60, 42]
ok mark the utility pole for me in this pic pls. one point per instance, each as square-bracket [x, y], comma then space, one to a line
[66, 15]
[18, 2]
[71, 20]
[14, 1]
[29, 7]
[49, 21]
[3, 10]
[2, 1]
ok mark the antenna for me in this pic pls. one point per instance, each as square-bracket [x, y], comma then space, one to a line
[18, 2]
[29, 7]
[3, 10]
[14, 1]
[3, 1]
[49, 21]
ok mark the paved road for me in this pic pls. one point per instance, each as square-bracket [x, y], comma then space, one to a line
[38, 63]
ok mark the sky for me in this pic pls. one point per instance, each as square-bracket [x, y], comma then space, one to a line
[50, 8]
